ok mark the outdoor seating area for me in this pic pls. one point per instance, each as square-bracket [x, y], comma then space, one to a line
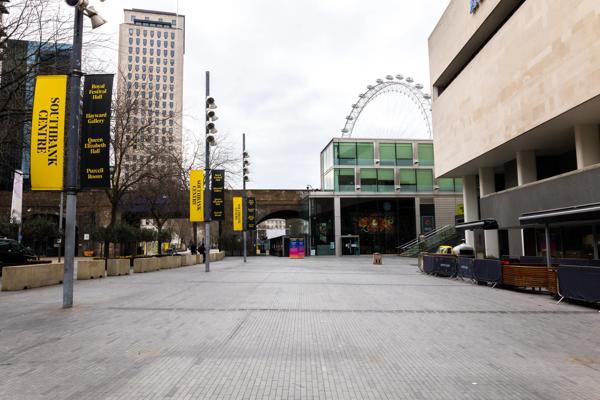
[573, 279]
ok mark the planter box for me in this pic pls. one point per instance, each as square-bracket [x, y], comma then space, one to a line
[118, 267]
[90, 269]
[31, 276]
[146, 265]
[219, 256]
[525, 276]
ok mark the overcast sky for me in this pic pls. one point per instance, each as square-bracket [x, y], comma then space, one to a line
[286, 72]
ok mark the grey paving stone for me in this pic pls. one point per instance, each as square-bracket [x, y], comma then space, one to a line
[319, 328]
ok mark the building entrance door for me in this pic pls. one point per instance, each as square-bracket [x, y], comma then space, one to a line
[350, 245]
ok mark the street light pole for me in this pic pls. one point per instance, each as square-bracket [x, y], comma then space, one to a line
[207, 194]
[72, 158]
[244, 232]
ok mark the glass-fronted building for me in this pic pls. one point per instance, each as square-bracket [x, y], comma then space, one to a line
[377, 195]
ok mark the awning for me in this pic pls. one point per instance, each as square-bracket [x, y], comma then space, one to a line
[586, 212]
[484, 224]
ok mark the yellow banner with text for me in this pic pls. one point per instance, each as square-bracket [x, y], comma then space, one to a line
[238, 214]
[197, 195]
[48, 132]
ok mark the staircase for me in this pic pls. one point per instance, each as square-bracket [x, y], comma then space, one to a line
[445, 235]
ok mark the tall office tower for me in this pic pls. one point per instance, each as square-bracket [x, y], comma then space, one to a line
[151, 50]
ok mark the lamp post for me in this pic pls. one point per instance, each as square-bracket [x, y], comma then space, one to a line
[245, 178]
[210, 140]
[72, 149]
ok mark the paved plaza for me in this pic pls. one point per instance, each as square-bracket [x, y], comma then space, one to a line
[319, 328]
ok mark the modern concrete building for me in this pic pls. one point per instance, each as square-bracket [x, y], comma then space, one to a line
[378, 194]
[516, 114]
[151, 52]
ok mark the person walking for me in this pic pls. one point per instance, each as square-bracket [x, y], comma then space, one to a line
[193, 248]
[202, 251]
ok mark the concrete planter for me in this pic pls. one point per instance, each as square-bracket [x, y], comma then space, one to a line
[118, 267]
[219, 256]
[90, 269]
[31, 276]
[146, 265]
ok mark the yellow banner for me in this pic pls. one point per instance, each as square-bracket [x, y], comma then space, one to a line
[48, 132]
[238, 214]
[197, 195]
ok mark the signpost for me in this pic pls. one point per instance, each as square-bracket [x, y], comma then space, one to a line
[95, 132]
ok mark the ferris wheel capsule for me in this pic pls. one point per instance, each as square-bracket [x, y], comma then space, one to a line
[400, 77]
[419, 86]
[380, 81]
[410, 80]
[389, 77]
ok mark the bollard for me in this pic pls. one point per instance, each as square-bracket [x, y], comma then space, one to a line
[377, 259]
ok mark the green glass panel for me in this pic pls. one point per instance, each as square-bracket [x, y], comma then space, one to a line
[424, 180]
[458, 185]
[366, 154]
[446, 184]
[425, 154]
[387, 154]
[385, 180]
[407, 176]
[347, 153]
[404, 154]
[368, 180]
[344, 180]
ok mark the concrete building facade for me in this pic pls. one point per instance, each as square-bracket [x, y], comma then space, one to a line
[516, 114]
[151, 54]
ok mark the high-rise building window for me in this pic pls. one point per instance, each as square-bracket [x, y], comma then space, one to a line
[145, 33]
[137, 32]
[131, 50]
[137, 41]
[172, 53]
[166, 44]
[158, 34]
[158, 43]
[130, 40]
[145, 41]
[151, 34]
[425, 154]
[152, 42]
[172, 45]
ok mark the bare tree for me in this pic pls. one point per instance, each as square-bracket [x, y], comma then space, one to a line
[36, 39]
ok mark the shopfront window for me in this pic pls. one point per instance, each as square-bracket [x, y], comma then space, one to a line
[408, 180]
[385, 180]
[404, 154]
[368, 180]
[366, 154]
[425, 154]
[387, 154]
[344, 180]
[345, 153]
[424, 180]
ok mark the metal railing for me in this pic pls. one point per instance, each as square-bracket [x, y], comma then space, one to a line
[429, 241]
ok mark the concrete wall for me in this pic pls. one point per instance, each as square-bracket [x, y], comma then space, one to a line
[146, 265]
[573, 188]
[543, 62]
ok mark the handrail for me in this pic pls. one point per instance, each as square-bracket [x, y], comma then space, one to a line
[425, 237]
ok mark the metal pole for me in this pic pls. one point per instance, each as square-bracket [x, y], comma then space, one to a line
[244, 233]
[548, 255]
[60, 225]
[72, 156]
[207, 196]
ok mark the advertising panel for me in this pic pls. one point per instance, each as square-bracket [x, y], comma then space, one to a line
[197, 195]
[218, 194]
[296, 247]
[95, 132]
[16, 208]
[237, 214]
[48, 132]
[251, 214]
